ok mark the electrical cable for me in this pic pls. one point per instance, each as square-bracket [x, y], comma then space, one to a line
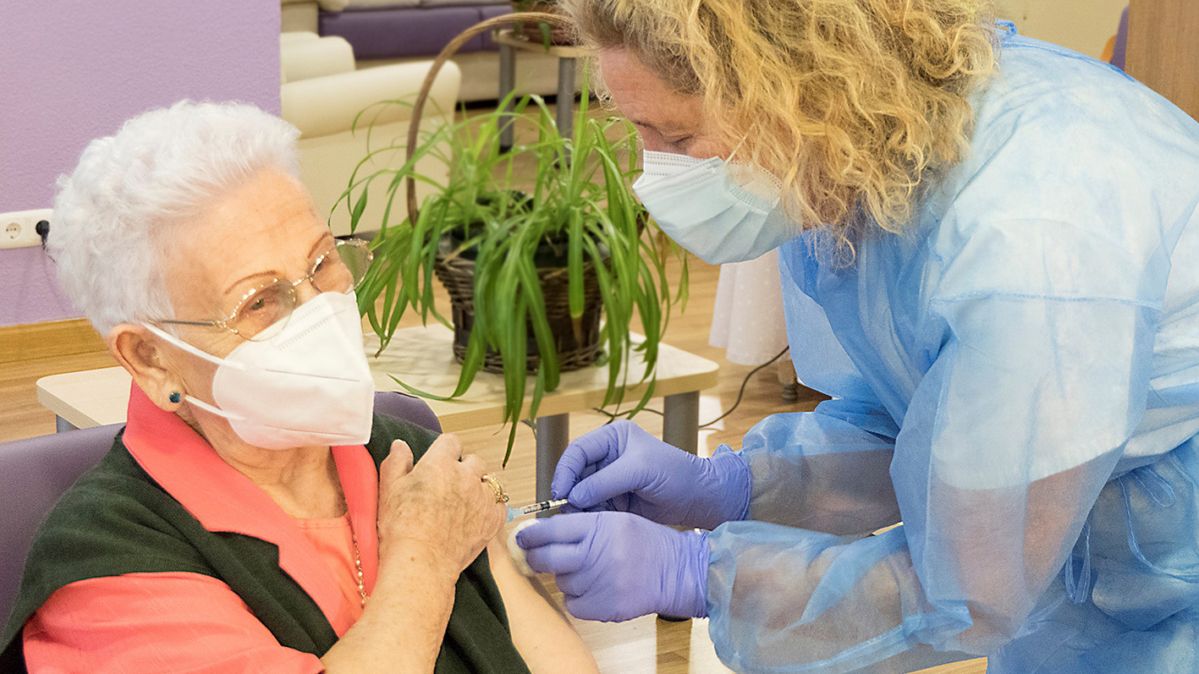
[744, 383]
[613, 416]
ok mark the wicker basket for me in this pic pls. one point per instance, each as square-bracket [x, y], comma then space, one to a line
[577, 341]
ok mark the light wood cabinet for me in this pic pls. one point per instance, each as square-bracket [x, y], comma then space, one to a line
[1163, 49]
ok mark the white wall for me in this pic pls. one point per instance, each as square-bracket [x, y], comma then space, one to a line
[1082, 25]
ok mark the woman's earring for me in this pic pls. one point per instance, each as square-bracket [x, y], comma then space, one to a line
[175, 397]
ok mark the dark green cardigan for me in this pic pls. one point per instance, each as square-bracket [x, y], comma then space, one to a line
[116, 519]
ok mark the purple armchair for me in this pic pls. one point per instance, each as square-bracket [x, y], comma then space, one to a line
[38, 470]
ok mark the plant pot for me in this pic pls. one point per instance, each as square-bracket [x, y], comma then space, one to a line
[560, 36]
[577, 341]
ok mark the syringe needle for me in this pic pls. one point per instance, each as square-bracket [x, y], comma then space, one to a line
[542, 506]
[534, 508]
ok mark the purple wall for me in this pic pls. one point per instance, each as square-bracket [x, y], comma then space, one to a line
[74, 70]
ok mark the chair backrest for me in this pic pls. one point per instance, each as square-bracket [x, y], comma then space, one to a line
[38, 470]
[406, 407]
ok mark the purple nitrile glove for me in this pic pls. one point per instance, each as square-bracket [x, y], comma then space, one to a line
[621, 467]
[617, 566]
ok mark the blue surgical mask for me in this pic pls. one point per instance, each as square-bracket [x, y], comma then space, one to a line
[719, 211]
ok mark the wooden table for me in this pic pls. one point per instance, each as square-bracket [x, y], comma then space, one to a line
[510, 43]
[422, 357]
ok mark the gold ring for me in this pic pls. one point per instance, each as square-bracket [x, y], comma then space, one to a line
[500, 495]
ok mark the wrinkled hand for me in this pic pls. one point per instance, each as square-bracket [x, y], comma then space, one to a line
[617, 566]
[441, 506]
[621, 467]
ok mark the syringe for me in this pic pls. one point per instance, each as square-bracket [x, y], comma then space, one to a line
[534, 508]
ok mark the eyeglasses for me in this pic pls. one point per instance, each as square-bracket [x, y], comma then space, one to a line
[263, 312]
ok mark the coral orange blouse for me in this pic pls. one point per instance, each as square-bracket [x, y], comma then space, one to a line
[185, 622]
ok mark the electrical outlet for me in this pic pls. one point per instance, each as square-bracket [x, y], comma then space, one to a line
[19, 229]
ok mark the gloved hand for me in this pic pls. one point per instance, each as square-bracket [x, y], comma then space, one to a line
[616, 566]
[621, 467]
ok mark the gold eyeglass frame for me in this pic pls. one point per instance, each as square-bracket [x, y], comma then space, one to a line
[225, 323]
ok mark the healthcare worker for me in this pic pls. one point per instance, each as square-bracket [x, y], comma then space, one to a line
[997, 283]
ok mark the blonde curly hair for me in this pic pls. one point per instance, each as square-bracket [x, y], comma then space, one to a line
[851, 103]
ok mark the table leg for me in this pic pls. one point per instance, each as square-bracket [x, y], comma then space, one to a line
[553, 435]
[507, 85]
[566, 97]
[680, 427]
[62, 425]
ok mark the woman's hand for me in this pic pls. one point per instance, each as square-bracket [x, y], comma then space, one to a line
[621, 467]
[441, 507]
[616, 566]
[434, 520]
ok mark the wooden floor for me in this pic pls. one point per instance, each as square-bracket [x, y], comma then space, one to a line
[644, 646]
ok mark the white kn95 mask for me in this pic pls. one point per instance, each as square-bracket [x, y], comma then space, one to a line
[308, 385]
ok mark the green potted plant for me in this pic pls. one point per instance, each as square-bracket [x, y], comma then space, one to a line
[531, 265]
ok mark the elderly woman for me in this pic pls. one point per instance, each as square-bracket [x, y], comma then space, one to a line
[253, 515]
[997, 285]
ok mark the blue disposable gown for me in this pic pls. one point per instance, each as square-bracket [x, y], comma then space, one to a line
[1016, 378]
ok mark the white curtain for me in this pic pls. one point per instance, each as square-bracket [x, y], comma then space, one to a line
[748, 319]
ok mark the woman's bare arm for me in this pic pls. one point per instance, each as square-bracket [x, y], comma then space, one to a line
[403, 625]
[434, 520]
[542, 634]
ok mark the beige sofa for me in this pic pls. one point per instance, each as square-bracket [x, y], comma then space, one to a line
[300, 16]
[535, 73]
[322, 93]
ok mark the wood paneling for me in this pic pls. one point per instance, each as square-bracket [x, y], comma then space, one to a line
[21, 415]
[1081, 25]
[23, 343]
[1163, 49]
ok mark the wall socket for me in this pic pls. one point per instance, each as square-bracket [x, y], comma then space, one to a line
[19, 229]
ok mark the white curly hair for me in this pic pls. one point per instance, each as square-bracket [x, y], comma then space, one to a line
[135, 191]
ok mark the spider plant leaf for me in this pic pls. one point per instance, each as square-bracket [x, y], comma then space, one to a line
[359, 207]
[515, 354]
[684, 285]
[389, 299]
[539, 388]
[575, 262]
[373, 318]
[419, 393]
[476, 351]
[391, 197]
[645, 398]
[614, 330]
[542, 333]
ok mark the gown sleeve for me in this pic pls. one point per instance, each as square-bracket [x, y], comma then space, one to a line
[825, 470]
[1004, 447]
